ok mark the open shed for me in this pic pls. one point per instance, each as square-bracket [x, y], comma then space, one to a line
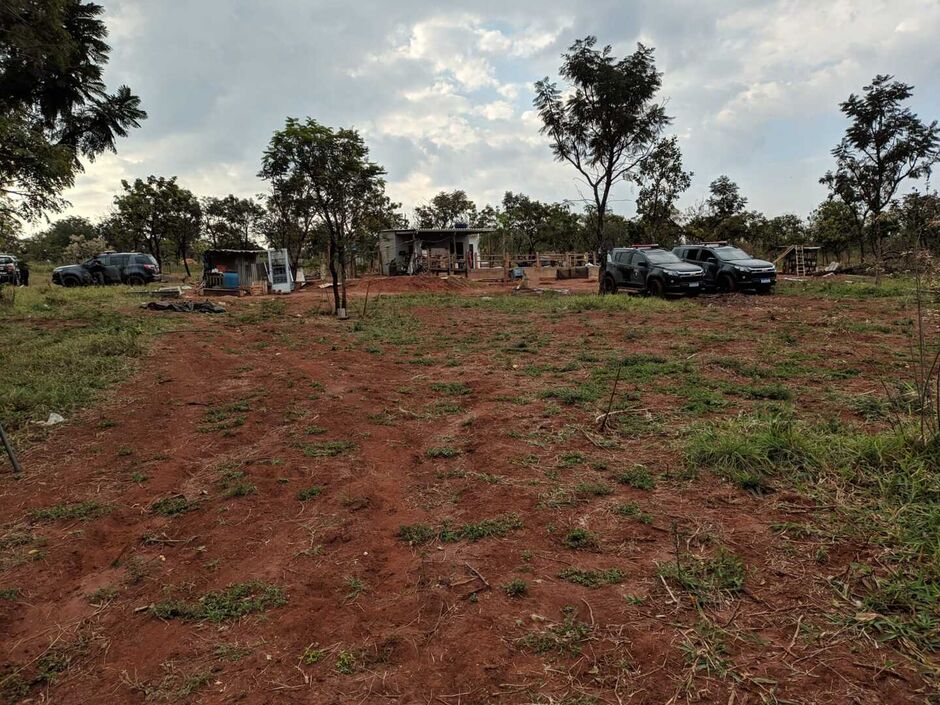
[436, 250]
[234, 269]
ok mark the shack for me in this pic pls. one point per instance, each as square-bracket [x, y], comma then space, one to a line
[233, 271]
[434, 250]
[798, 259]
[236, 272]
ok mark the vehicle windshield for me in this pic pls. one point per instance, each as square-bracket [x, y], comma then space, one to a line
[660, 257]
[731, 254]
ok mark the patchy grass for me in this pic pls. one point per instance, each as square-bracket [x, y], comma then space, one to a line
[592, 578]
[81, 511]
[308, 493]
[235, 601]
[62, 348]
[327, 449]
[451, 389]
[581, 540]
[173, 506]
[565, 639]
[706, 578]
[516, 588]
[443, 452]
[632, 510]
[488, 528]
[637, 477]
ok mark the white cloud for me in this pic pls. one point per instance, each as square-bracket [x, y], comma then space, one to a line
[497, 110]
[443, 93]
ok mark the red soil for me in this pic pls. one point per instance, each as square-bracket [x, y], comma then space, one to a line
[418, 635]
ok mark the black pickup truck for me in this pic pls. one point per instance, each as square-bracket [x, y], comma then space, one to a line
[729, 268]
[650, 269]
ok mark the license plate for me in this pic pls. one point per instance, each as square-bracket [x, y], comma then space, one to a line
[693, 285]
[765, 281]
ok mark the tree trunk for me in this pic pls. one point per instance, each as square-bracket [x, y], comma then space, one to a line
[879, 250]
[333, 274]
[342, 273]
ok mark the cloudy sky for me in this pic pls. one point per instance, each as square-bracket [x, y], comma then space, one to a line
[443, 91]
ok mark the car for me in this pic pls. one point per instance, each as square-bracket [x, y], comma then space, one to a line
[9, 270]
[650, 269]
[134, 268]
[729, 268]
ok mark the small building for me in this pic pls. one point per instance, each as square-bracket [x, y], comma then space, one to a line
[251, 271]
[798, 259]
[435, 250]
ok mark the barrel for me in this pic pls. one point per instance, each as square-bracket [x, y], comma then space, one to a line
[230, 280]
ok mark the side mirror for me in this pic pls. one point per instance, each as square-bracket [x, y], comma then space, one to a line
[643, 265]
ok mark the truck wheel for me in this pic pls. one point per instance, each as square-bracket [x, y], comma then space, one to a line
[135, 280]
[655, 287]
[727, 283]
[70, 282]
[608, 285]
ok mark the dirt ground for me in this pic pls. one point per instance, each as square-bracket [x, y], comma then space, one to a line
[434, 417]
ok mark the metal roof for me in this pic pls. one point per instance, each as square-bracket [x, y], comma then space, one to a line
[438, 231]
[236, 252]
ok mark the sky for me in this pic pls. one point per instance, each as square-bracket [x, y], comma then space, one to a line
[442, 92]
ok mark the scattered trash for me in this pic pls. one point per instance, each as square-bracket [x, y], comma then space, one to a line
[185, 307]
[164, 292]
[53, 420]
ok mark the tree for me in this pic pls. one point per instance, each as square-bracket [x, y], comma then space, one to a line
[159, 215]
[54, 106]
[884, 145]
[80, 248]
[331, 168]
[50, 244]
[662, 180]
[724, 200]
[918, 218]
[10, 234]
[609, 124]
[445, 210]
[833, 225]
[232, 222]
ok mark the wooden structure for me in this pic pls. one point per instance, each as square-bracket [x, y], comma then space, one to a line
[249, 265]
[434, 250]
[798, 259]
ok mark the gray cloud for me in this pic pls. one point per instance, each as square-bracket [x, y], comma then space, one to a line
[443, 93]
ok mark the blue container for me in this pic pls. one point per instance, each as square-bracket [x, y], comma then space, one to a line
[230, 280]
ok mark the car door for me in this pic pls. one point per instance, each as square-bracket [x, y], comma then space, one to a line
[111, 272]
[620, 269]
[708, 261]
[639, 269]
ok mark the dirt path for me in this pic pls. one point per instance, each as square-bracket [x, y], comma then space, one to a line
[240, 419]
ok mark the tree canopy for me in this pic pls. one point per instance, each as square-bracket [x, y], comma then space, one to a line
[610, 121]
[54, 105]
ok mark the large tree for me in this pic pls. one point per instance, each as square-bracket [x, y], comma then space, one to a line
[159, 215]
[50, 243]
[609, 121]
[662, 180]
[232, 222]
[54, 106]
[724, 199]
[884, 145]
[333, 168]
[445, 210]
[832, 225]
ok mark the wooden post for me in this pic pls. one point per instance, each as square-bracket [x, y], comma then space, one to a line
[9, 449]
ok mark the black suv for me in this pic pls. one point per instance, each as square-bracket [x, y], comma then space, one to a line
[134, 268]
[651, 269]
[9, 270]
[729, 268]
